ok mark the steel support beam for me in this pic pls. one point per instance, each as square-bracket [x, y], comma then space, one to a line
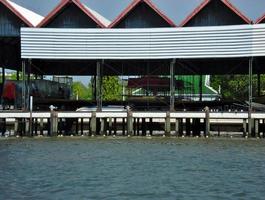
[250, 94]
[23, 85]
[259, 88]
[172, 85]
[200, 87]
[99, 85]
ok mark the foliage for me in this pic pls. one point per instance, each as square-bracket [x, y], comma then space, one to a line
[81, 91]
[235, 86]
[111, 88]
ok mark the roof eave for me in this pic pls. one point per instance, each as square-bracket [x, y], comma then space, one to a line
[205, 3]
[132, 5]
[61, 5]
[13, 10]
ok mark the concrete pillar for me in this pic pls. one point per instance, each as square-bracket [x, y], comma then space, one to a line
[172, 85]
[257, 128]
[93, 124]
[110, 126]
[129, 123]
[244, 127]
[200, 87]
[177, 127]
[167, 124]
[99, 86]
[250, 71]
[103, 123]
[207, 121]
[54, 123]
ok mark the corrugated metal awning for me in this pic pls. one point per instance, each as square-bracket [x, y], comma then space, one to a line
[155, 43]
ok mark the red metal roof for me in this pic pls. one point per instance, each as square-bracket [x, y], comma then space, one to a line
[64, 3]
[133, 5]
[206, 2]
[259, 20]
[18, 14]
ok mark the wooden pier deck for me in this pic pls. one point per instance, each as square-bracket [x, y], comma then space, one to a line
[131, 123]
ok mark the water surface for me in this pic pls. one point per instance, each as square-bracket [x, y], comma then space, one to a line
[132, 168]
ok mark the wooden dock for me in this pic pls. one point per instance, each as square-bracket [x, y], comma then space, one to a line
[130, 123]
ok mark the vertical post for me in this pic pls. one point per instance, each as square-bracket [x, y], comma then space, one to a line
[244, 127]
[167, 125]
[28, 68]
[30, 115]
[23, 96]
[207, 121]
[257, 128]
[129, 123]
[172, 85]
[177, 127]
[3, 82]
[250, 70]
[200, 86]
[93, 124]
[3, 74]
[259, 89]
[99, 86]
[53, 123]
[17, 75]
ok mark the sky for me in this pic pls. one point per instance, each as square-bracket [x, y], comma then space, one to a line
[176, 10]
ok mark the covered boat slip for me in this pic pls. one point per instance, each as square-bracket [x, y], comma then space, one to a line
[145, 51]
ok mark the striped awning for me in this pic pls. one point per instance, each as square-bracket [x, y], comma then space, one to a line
[152, 43]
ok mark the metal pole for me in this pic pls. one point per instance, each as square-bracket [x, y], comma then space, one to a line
[172, 85]
[23, 85]
[250, 96]
[200, 85]
[259, 93]
[99, 86]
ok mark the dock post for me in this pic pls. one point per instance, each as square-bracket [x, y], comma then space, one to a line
[110, 126]
[257, 128]
[41, 126]
[53, 123]
[93, 124]
[177, 127]
[99, 85]
[250, 93]
[103, 126]
[129, 123]
[16, 127]
[167, 125]
[244, 127]
[172, 85]
[207, 121]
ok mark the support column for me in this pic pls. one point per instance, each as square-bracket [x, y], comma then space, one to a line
[258, 84]
[23, 85]
[3, 82]
[17, 75]
[250, 87]
[172, 85]
[200, 86]
[99, 86]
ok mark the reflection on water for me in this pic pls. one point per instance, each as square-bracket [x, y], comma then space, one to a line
[132, 169]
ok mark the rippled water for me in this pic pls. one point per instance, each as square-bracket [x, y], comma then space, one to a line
[132, 169]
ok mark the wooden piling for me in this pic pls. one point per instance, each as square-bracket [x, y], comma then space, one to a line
[167, 125]
[53, 124]
[207, 121]
[257, 128]
[177, 127]
[93, 124]
[244, 127]
[129, 123]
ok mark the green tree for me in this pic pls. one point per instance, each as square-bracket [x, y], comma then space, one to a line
[111, 88]
[235, 86]
[81, 91]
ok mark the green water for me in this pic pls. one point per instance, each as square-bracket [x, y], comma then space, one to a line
[75, 168]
